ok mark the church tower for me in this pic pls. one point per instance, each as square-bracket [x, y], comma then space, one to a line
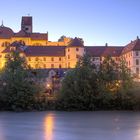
[26, 24]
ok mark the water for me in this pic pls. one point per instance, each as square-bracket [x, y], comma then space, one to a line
[70, 126]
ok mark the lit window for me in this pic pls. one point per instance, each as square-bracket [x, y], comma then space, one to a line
[137, 61]
[60, 66]
[52, 65]
[69, 65]
[29, 59]
[44, 58]
[44, 65]
[36, 59]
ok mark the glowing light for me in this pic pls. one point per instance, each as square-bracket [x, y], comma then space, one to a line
[49, 126]
[48, 85]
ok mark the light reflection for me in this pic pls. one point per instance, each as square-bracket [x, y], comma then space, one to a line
[49, 126]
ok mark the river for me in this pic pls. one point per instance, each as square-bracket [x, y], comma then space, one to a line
[51, 125]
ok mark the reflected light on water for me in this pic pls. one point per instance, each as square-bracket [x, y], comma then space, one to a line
[49, 126]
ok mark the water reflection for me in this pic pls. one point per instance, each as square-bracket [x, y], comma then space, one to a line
[49, 126]
[1, 132]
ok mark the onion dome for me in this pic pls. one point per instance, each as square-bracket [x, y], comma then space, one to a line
[76, 42]
[6, 32]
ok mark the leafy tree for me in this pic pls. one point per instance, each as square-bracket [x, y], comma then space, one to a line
[61, 39]
[108, 74]
[19, 85]
[79, 87]
[125, 75]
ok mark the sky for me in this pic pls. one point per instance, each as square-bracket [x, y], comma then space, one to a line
[115, 22]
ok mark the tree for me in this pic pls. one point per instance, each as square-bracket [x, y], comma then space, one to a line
[125, 75]
[19, 86]
[108, 74]
[79, 87]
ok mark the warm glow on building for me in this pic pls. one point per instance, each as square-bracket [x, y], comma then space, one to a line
[40, 53]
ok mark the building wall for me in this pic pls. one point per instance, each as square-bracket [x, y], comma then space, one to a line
[72, 55]
[46, 62]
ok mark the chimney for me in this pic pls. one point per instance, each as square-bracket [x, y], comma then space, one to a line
[106, 44]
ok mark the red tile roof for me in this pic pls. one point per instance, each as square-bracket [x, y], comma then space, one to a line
[6, 32]
[40, 50]
[113, 51]
[33, 36]
[39, 36]
[76, 42]
[45, 51]
[97, 51]
[134, 45]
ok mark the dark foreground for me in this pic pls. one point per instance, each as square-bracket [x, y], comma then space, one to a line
[70, 126]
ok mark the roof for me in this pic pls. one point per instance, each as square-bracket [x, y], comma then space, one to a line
[132, 46]
[76, 42]
[113, 51]
[33, 36]
[40, 50]
[97, 51]
[6, 32]
[45, 51]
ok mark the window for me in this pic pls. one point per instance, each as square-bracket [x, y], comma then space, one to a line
[36, 66]
[5, 44]
[52, 65]
[68, 50]
[59, 58]
[137, 61]
[68, 56]
[60, 66]
[44, 58]
[29, 59]
[69, 65]
[137, 53]
[137, 70]
[52, 59]
[36, 59]
[77, 56]
[77, 49]
[44, 65]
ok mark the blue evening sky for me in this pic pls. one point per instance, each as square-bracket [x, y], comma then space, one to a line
[116, 22]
